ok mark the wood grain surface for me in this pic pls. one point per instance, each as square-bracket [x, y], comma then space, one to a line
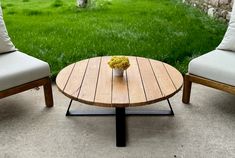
[146, 81]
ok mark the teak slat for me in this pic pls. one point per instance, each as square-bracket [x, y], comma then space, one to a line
[104, 85]
[63, 76]
[175, 75]
[151, 87]
[120, 94]
[73, 85]
[135, 86]
[88, 88]
[164, 80]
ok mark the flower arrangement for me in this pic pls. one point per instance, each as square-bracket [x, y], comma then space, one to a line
[119, 62]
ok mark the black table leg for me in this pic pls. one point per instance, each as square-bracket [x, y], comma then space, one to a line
[120, 127]
[121, 114]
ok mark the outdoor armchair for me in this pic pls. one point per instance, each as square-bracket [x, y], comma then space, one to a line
[19, 71]
[215, 69]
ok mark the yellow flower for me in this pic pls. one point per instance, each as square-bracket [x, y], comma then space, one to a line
[119, 62]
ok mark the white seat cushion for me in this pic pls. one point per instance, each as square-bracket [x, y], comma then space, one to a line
[217, 65]
[5, 42]
[18, 68]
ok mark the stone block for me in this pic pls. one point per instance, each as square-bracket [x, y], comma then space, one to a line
[228, 16]
[211, 12]
[221, 2]
[223, 14]
[214, 2]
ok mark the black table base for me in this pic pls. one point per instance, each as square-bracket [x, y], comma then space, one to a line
[120, 114]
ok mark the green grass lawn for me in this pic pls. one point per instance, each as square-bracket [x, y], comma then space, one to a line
[60, 33]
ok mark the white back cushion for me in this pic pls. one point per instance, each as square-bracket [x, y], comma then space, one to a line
[228, 43]
[5, 42]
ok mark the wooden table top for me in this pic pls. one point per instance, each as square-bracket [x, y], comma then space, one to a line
[146, 81]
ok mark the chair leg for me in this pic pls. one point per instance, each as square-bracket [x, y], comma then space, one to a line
[48, 93]
[186, 89]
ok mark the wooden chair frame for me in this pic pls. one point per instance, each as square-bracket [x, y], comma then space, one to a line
[189, 79]
[45, 82]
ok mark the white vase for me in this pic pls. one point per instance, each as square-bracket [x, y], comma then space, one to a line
[118, 72]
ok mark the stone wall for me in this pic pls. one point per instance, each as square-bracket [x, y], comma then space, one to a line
[215, 8]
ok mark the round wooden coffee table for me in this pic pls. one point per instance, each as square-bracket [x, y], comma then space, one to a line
[146, 81]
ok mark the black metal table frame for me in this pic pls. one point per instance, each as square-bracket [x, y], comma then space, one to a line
[120, 114]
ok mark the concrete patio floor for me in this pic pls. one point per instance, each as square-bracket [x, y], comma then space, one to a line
[204, 129]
